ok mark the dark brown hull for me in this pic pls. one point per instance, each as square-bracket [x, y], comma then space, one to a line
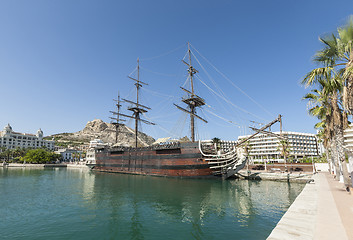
[178, 160]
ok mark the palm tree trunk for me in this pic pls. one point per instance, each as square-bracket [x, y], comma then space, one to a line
[334, 160]
[339, 138]
[350, 160]
[328, 161]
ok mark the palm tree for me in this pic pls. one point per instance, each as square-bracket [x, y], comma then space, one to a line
[2, 152]
[337, 55]
[7, 154]
[284, 150]
[216, 141]
[247, 148]
[319, 106]
[330, 91]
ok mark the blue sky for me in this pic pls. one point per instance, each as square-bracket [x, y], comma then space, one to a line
[62, 62]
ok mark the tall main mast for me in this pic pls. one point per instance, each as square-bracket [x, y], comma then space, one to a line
[193, 101]
[138, 108]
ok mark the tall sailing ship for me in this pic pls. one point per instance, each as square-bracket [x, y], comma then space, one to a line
[178, 159]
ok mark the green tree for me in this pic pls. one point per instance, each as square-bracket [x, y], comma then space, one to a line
[40, 156]
[6, 154]
[337, 55]
[284, 149]
[331, 84]
[247, 148]
[319, 105]
[18, 153]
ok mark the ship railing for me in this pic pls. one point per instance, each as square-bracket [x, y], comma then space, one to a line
[153, 147]
[231, 164]
[217, 158]
[226, 163]
[225, 156]
[234, 150]
[221, 162]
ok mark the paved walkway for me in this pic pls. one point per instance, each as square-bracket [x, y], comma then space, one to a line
[323, 210]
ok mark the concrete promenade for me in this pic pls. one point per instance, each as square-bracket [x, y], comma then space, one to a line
[64, 165]
[323, 210]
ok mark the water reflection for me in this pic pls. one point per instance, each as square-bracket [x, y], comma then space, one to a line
[197, 203]
[93, 205]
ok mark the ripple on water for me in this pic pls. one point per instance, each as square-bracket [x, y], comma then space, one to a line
[65, 203]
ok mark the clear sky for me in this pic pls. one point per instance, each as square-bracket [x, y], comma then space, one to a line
[62, 62]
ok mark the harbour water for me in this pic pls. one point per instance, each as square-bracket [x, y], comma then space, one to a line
[62, 203]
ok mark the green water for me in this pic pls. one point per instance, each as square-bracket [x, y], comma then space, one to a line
[79, 204]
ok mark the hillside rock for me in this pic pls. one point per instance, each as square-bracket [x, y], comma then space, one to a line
[104, 131]
[96, 125]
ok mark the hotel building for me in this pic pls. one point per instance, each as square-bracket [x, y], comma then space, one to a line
[12, 140]
[348, 138]
[264, 146]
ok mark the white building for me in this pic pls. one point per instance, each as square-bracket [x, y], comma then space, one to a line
[12, 140]
[97, 143]
[348, 137]
[222, 145]
[69, 155]
[264, 146]
[91, 152]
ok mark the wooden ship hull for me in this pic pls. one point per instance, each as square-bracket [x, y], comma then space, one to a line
[192, 159]
[172, 160]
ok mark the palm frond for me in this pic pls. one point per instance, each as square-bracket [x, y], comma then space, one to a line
[316, 75]
[328, 55]
[320, 125]
[346, 33]
[348, 72]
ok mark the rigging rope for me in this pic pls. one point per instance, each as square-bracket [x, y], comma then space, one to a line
[168, 115]
[214, 83]
[223, 75]
[230, 101]
[158, 73]
[186, 81]
[179, 126]
[226, 120]
[157, 93]
[209, 76]
[165, 130]
[163, 54]
[133, 71]
[185, 55]
[162, 128]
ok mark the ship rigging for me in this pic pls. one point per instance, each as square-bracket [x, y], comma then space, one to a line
[137, 109]
[192, 101]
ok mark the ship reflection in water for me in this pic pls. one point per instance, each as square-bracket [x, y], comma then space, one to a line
[156, 207]
[77, 204]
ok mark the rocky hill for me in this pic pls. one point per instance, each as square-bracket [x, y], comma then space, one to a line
[104, 131]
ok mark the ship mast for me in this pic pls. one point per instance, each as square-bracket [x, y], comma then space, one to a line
[193, 101]
[118, 120]
[137, 108]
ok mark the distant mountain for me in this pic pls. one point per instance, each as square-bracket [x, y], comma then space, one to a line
[104, 131]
